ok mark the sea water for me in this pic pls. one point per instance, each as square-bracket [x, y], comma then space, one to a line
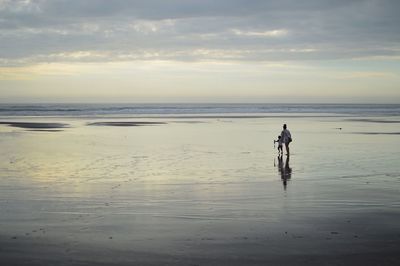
[194, 109]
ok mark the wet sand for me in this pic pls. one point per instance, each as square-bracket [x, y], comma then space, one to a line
[378, 133]
[209, 192]
[125, 123]
[373, 120]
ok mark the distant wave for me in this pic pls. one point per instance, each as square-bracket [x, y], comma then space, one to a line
[195, 109]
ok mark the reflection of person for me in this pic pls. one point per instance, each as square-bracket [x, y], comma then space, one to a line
[284, 170]
[279, 140]
[286, 137]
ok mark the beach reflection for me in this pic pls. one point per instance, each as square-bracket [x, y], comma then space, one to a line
[284, 170]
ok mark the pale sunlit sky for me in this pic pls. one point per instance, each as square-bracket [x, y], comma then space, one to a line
[200, 51]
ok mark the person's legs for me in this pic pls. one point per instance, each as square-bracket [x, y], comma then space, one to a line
[287, 148]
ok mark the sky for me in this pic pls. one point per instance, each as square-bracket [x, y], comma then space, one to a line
[200, 51]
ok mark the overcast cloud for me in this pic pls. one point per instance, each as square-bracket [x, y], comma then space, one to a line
[40, 31]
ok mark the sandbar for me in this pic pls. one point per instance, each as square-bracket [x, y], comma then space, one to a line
[34, 125]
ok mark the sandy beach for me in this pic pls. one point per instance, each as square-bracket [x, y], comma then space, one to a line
[199, 191]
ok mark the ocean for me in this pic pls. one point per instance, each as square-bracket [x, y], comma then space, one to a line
[196, 109]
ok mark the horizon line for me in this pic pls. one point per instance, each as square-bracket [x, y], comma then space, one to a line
[198, 103]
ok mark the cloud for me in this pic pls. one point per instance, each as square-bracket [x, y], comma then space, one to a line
[39, 31]
[268, 33]
[368, 74]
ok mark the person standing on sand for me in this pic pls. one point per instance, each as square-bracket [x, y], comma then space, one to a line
[279, 140]
[286, 137]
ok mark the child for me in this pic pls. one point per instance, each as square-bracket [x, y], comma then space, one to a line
[279, 144]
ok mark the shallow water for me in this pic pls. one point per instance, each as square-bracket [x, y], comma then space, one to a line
[202, 186]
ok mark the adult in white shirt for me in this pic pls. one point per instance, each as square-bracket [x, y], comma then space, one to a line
[286, 137]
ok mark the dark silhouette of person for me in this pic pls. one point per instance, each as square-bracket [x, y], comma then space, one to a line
[286, 138]
[284, 170]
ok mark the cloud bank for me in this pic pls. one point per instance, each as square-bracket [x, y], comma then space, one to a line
[40, 31]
